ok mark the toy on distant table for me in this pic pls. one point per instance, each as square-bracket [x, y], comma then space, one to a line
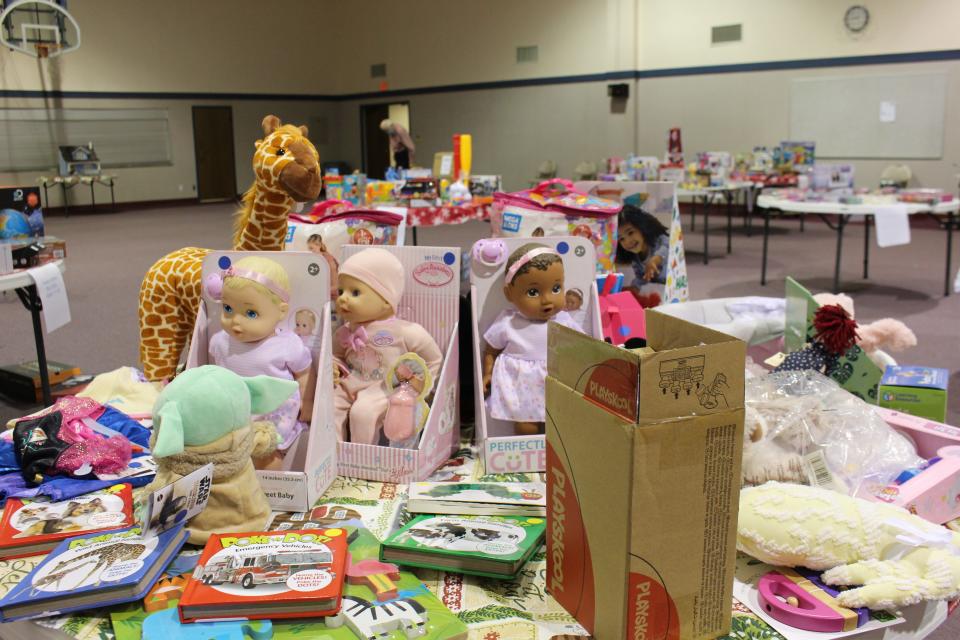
[206, 415]
[643, 243]
[515, 359]
[886, 334]
[371, 341]
[255, 296]
[164, 625]
[459, 192]
[898, 558]
[674, 147]
[287, 170]
[408, 383]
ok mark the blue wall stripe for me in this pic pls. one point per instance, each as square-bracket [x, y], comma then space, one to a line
[779, 65]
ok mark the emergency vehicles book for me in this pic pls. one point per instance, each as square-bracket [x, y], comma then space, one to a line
[269, 574]
[94, 570]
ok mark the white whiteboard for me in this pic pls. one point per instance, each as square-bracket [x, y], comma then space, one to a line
[122, 137]
[843, 115]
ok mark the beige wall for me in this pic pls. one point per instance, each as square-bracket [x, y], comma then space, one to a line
[322, 47]
[677, 34]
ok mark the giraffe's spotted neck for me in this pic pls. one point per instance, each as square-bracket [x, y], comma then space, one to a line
[266, 227]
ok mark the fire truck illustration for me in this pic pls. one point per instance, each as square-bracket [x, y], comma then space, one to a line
[681, 374]
[264, 568]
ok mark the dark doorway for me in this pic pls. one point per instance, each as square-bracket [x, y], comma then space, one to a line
[376, 144]
[213, 149]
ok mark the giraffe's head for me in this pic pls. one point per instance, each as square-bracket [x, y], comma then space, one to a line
[286, 161]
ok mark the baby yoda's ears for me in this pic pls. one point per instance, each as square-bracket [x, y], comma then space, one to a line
[268, 393]
[170, 431]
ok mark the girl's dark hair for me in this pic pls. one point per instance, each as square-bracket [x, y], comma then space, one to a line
[648, 226]
[541, 262]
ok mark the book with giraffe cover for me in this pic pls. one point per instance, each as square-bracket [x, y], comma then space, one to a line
[91, 571]
[479, 498]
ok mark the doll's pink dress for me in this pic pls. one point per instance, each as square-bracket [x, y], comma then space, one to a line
[280, 356]
[520, 371]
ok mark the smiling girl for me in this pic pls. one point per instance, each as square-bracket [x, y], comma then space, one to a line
[643, 243]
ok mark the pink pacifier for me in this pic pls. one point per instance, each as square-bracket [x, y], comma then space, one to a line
[490, 253]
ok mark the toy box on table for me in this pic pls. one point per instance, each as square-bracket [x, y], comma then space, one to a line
[431, 298]
[920, 391]
[502, 451]
[21, 215]
[556, 208]
[310, 463]
[338, 222]
[643, 452]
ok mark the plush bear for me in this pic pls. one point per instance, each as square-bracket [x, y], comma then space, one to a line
[877, 337]
[204, 416]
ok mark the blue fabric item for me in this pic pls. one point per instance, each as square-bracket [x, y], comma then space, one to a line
[12, 484]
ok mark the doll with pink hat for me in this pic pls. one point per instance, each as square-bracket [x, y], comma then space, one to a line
[370, 341]
[515, 358]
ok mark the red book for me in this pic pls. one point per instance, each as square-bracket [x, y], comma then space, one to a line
[270, 574]
[32, 527]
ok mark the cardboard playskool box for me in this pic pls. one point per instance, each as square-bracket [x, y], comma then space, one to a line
[643, 480]
[431, 297]
[502, 450]
[920, 391]
[310, 464]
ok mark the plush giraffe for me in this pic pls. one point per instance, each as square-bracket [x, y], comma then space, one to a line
[287, 170]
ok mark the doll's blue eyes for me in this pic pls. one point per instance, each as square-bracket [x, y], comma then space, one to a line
[227, 308]
[252, 314]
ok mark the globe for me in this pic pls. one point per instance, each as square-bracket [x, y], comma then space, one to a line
[13, 224]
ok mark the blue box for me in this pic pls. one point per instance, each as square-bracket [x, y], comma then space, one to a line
[919, 391]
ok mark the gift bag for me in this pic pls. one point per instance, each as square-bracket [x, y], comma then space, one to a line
[555, 208]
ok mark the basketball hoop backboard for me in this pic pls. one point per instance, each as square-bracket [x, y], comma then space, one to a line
[38, 28]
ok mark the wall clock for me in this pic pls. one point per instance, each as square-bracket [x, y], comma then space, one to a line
[856, 18]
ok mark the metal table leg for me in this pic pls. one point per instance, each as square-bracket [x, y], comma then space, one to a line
[93, 199]
[766, 238]
[730, 197]
[413, 230]
[66, 209]
[31, 300]
[113, 200]
[693, 213]
[706, 233]
[841, 223]
[951, 223]
[866, 246]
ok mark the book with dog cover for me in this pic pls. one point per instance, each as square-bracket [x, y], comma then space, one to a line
[269, 574]
[492, 546]
[93, 570]
[31, 527]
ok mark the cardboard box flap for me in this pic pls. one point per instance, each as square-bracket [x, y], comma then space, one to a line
[667, 332]
[606, 375]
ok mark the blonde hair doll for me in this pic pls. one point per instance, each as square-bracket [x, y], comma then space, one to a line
[255, 295]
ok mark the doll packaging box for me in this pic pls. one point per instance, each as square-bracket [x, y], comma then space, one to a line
[304, 463]
[398, 414]
[643, 459]
[509, 341]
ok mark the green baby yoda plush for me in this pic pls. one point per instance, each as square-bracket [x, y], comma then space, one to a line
[204, 416]
[892, 557]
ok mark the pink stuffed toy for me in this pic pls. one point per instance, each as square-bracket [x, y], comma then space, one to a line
[877, 337]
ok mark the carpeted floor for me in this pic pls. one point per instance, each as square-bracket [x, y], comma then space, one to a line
[109, 253]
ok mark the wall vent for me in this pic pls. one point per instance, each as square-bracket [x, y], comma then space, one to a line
[726, 33]
[527, 54]
[378, 70]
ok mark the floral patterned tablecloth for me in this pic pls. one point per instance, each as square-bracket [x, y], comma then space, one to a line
[519, 609]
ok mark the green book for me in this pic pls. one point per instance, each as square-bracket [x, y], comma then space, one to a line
[492, 546]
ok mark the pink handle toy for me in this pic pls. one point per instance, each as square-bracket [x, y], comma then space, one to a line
[814, 609]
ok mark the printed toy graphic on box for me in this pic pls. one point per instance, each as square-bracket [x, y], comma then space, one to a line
[267, 569]
[682, 374]
[920, 391]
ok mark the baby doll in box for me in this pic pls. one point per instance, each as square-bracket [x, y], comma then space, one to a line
[255, 297]
[515, 358]
[370, 344]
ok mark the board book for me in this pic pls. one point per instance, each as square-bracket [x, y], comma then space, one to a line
[479, 498]
[31, 527]
[492, 546]
[274, 574]
[94, 570]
